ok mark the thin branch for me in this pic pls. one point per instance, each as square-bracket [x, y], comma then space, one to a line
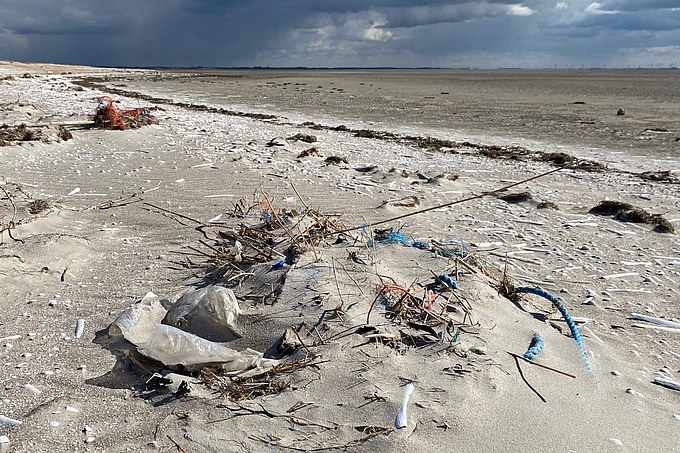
[517, 356]
[452, 203]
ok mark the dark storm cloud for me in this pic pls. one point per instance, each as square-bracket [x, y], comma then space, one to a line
[331, 32]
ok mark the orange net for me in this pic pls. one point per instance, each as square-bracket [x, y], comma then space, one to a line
[110, 117]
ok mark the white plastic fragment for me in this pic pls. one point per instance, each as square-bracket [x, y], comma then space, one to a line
[80, 325]
[4, 440]
[401, 420]
[172, 346]
[676, 416]
[74, 191]
[32, 389]
[615, 441]
[8, 421]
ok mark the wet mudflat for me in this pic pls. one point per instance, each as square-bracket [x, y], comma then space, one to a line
[576, 108]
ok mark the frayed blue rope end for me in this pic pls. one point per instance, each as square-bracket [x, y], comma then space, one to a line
[448, 281]
[565, 314]
[535, 346]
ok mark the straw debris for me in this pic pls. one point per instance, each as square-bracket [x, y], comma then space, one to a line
[270, 382]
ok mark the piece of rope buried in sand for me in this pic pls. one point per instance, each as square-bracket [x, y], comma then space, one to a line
[448, 281]
[565, 314]
[535, 346]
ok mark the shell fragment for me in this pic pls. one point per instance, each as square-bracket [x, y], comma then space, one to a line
[80, 325]
[401, 420]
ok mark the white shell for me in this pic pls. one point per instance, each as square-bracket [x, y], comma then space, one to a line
[401, 420]
[32, 389]
[8, 421]
[80, 326]
[4, 440]
[54, 424]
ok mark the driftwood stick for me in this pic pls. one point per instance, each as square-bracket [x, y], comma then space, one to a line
[518, 356]
[174, 213]
[179, 447]
[445, 205]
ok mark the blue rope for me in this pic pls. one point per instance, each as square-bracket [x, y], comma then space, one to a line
[366, 232]
[451, 283]
[535, 346]
[565, 314]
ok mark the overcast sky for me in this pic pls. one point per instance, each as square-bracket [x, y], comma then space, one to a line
[406, 33]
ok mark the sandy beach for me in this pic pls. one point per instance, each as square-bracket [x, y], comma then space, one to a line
[157, 209]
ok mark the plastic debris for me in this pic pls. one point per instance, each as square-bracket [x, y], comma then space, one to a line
[450, 248]
[448, 281]
[172, 346]
[137, 322]
[209, 312]
[565, 314]
[535, 346]
[108, 116]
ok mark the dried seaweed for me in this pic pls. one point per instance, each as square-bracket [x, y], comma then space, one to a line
[547, 205]
[625, 212]
[64, 134]
[303, 138]
[20, 133]
[38, 206]
[336, 160]
[313, 151]
[516, 197]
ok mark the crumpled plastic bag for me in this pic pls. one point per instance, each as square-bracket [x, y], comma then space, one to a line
[172, 346]
[209, 312]
[136, 323]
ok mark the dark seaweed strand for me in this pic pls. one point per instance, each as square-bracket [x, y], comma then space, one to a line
[535, 346]
[565, 314]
